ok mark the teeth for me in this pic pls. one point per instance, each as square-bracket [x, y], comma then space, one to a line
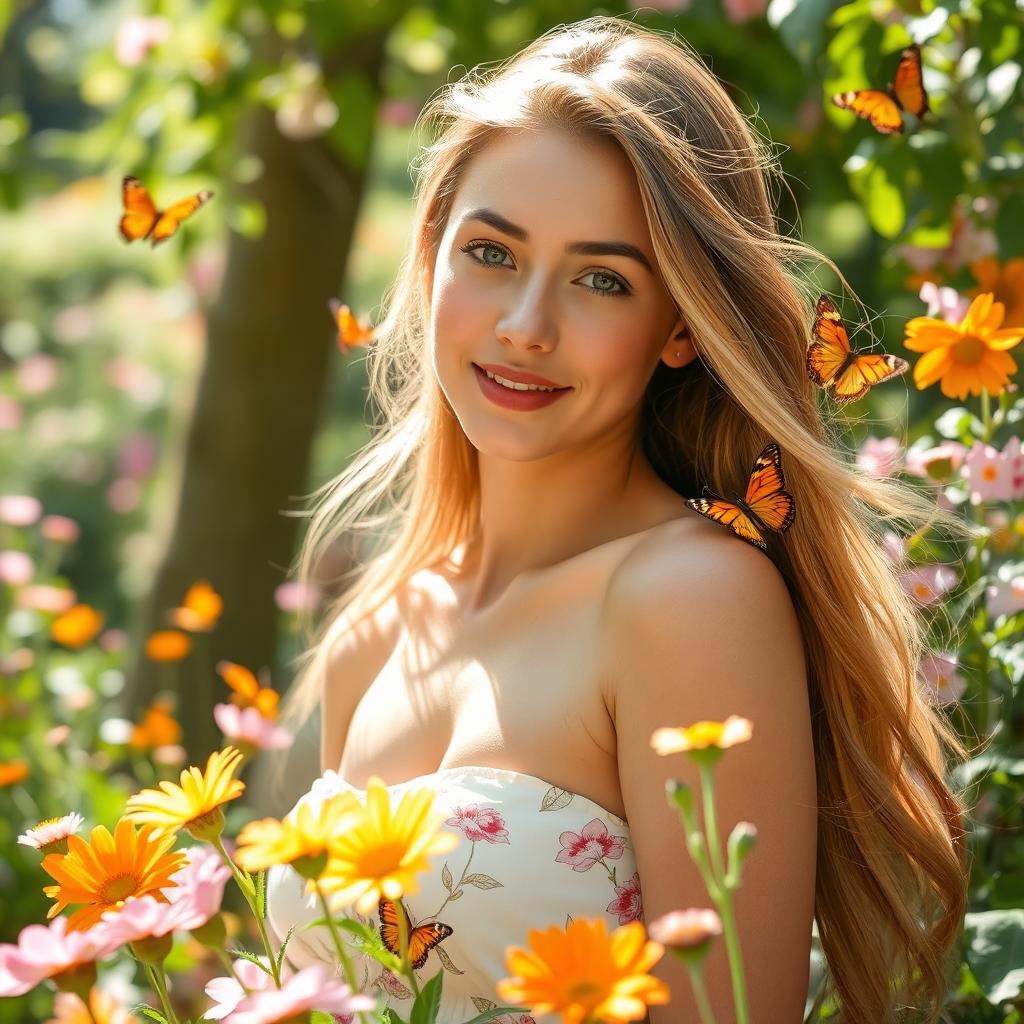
[516, 385]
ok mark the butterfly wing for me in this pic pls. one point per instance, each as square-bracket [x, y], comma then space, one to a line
[730, 515]
[881, 109]
[422, 939]
[831, 345]
[765, 495]
[866, 371]
[351, 333]
[140, 213]
[169, 221]
[907, 86]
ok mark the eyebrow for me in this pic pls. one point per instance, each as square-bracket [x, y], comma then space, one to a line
[496, 220]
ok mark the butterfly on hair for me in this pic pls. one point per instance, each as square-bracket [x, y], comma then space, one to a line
[421, 939]
[353, 331]
[141, 218]
[884, 109]
[765, 505]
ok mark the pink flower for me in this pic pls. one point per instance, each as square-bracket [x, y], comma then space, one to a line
[227, 993]
[945, 303]
[16, 568]
[1005, 597]
[136, 456]
[1014, 461]
[247, 725]
[59, 529]
[743, 10]
[582, 850]
[938, 462]
[477, 824]
[967, 242]
[880, 456]
[124, 495]
[198, 896]
[628, 903]
[312, 988]
[19, 509]
[137, 36]
[113, 640]
[398, 112]
[293, 596]
[39, 597]
[44, 951]
[895, 547]
[11, 413]
[939, 671]
[36, 374]
[927, 583]
[74, 323]
[989, 474]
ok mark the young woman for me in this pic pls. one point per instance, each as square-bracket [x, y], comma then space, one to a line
[594, 217]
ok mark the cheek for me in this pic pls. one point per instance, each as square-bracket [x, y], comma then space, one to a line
[459, 309]
[616, 355]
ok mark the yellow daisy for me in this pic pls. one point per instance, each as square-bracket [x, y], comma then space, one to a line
[702, 735]
[195, 805]
[383, 849]
[969, 357]
[1006, 284]
[109, 869]
[585, 974]
[302, 839]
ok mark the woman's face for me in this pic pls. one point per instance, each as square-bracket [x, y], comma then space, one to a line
[511, 288]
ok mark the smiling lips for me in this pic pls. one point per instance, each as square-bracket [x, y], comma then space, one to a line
[511, 398]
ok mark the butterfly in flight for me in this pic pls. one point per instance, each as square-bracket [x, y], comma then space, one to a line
[352, 332]
[885, 109]
[765, 506]
[142, 219]
[422, 939]
[832, 364]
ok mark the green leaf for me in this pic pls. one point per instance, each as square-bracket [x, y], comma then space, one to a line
[390, 1017]
[995, 952]
[498, 1011]
[244, 954]
[284, 946]
[261, 893]
[482, 881]
[147, 1011]
[991, 761]
[959, 424]
[428, 1002]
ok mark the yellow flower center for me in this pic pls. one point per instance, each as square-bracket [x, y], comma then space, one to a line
[45, 822]
[118, 888]
[705, 734]
[381, 860]
[969, 349]
[989, 472]
[922, 590]
[584, 991]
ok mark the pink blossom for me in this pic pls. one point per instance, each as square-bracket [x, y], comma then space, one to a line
[11, 413]
[628, 902]
[198, 896]
[400, 112]
[137, 36]
[943, 302]
[43, 951]
[1005, 597]
[59, 529]
[479, 823]
[74, 323]
[895, 547]
[124, 495]
[927, 583]
[988, 474]
[19, 509]
[939, 672]
[312, 988]
[16, 568]
[143, 385]
[743, 10]
[582, 850]
[137, 455]
[56, 735]
[293, 596]
[1014, 462]
[938, 462]
[227, 993]
[247, 725]
[40, 597]
[880, 456]
[967, 242]
[36, 374]
[113, 640]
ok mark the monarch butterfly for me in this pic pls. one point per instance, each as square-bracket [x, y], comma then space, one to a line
[143, 220]
[422, 939]
[766, 506]
[351, 331]
[884, 109]
[833, 365]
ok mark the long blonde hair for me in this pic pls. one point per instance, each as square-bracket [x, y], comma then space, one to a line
[891, 885]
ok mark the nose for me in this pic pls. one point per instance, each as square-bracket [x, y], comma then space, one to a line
[527, 322]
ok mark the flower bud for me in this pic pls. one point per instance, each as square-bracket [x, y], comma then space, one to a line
[154, 949]
[213, 934]
[687, 933]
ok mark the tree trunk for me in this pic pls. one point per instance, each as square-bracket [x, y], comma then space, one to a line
[256, 412]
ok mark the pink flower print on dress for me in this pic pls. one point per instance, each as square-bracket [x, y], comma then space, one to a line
[628, 903]
[478, 823]
[582, 850]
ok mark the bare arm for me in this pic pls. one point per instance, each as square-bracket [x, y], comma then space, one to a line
[697, 632]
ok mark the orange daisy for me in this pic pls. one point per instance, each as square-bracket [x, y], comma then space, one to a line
[248, 691]
[968, 357]
[12, 772]
[109, 869]
[77, 626]
[1006, 284]
[168, 645]
[200, 610]
[158, 727]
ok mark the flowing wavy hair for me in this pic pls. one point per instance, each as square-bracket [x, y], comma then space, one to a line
[891, 888]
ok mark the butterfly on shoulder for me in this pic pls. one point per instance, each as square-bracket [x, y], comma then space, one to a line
[832, 364]
[765, 506]
[422, 939]
[142, 219]
[352, 331]
[884, 110]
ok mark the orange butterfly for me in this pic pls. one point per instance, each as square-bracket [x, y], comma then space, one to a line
[766, 505]
[352, 332]
[422, 939]
[884, 109]
[833, 365]
[143, 220]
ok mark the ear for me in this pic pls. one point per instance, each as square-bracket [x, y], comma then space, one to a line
[679, 349]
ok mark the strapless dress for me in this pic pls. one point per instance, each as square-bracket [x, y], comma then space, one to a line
[530, 855]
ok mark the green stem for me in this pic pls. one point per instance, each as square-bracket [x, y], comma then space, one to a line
[403, 945]
[983, 689]
[700, 994]
[724, 901]
[156, 979]
[346, 963]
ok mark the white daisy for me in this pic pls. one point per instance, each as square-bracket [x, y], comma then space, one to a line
[52, 831]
